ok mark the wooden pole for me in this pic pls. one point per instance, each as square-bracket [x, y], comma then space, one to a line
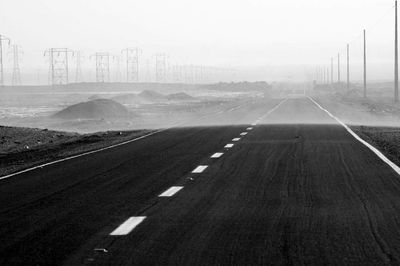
[348, 67]
[365, 66]
[396, 61]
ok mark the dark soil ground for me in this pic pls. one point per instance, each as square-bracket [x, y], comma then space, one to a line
[386, 139]
[21, 148]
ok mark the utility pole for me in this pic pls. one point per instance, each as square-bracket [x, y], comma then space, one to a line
[132, 64]
[16, 74]
[2, 38]
[58, 65]
[396, 61]
[365, 66]
[338, 65]
[348, 67]
[331, 70]
[327, 75]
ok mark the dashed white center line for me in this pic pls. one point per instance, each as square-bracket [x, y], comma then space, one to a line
[230, 145]
[236, 139]
[128, 226]
[217, 155]
[243, 134]
[199, 169]
[171, 191]
[249, 128]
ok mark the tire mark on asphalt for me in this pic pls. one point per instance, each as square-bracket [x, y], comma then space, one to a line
[381, 244]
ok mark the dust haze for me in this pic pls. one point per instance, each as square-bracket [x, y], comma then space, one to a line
[129, 65]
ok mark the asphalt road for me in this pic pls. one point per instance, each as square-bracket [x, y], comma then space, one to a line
[301, 193]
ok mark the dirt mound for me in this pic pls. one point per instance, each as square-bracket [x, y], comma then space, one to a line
[96, 109]
[181, 96]
[95, 97]
[149, 95]
[128, 99]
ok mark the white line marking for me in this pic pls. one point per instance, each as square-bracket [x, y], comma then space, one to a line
[236, 139]
[128, 226]
[170, 192]
[199, 169]
[230, 145]
[217, 155]
[273, 109]
[372, 148]
[103, 149]
[82, 154]
[243, 134]
[254, 124]
[249, 128]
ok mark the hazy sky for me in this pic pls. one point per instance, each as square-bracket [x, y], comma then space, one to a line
[221, 32]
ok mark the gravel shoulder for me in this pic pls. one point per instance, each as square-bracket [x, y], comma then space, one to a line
[21, 148]
[386, 139]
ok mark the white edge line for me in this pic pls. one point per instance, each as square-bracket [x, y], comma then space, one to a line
[171, 191]
[96, 151]
[372, 148]
[99, 150]
[127, 227]
[82, 154]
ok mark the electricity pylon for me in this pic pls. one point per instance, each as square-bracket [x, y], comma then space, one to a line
[132, 63]
[161, 67]
[102, 66]
[78, 71]
[16, 55]
[2, 38]
[117, 60]
[58, 65]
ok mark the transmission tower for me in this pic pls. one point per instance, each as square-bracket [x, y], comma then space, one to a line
[16, 53]
[117, 60]
[78, 70]
[58, 65]
[177, 73]
[132, 63]
[2, 38]
[161, 67]
[102, 67]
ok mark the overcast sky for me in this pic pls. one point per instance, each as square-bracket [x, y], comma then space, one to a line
[210, 32]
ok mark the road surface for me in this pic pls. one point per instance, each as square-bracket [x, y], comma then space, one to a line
[284, 184]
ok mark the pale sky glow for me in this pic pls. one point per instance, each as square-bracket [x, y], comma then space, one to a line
[210, 32]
